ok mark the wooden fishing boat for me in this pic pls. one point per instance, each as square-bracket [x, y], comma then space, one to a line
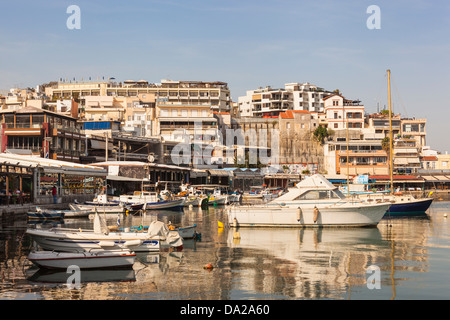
[46, 214]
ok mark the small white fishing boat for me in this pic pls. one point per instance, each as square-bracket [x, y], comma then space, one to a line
[218, 200]
[314, 202]
[75, 240]
[41, 213]
[77, 213]
[234, 197]
[152, 201]
[94, 259]
[99, 208]
[188, 232]
[46, 214]
[194, 200]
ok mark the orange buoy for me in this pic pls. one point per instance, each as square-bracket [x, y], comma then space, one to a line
[208, 266]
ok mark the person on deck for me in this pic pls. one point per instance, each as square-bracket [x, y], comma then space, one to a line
[54, 194]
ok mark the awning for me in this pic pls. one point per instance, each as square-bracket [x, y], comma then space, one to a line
[282, 176]
[413, 160]
[406, 150]
[442, 178]
[429, 178]
[400, 161]
[219, 173]
[97, 144]
[195, 173]
[122, 178]
[187, 119]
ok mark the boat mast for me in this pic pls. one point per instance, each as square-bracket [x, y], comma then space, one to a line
[348, 164]
[391, 140]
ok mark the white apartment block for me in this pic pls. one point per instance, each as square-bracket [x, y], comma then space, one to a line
[266, 102]
[215, 94]
[175, 121]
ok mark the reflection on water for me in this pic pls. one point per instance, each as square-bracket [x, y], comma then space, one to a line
[273, 263]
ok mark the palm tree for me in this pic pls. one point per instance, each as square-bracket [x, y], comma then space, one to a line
[386, 146]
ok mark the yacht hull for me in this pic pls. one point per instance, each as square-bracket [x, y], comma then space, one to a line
[412, 207]
[346, 215]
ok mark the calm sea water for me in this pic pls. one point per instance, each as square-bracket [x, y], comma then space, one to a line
[412, 256]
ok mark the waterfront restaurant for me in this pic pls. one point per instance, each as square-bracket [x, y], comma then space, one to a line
[30, 179]
[128, 176]
[43, 133]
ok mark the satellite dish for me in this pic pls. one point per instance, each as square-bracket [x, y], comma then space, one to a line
[151, 158]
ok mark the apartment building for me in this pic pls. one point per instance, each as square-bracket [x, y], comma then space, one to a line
[176, 122]
[215, 94]
[268, 102]
[415, 129]
[364, 157]
[40, 132]
[307, 96]
[406, 156]
[377, 125]
[443, 162]
[342, 113]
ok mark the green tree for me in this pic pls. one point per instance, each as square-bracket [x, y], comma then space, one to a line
[321, 133]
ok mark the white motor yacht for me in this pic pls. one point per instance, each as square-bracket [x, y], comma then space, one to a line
[314, 202]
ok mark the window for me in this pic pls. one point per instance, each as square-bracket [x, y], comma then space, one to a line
[318, 195]
[164, 113]
[193, 113]
[335, 125]
[174, 113]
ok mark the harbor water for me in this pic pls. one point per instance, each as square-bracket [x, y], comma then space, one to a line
[403, 258]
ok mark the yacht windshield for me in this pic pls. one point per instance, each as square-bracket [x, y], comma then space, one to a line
[318, 195]
[339, 194]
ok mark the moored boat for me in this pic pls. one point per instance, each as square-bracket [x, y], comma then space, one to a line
[152, 201]
[98, 208]
[188, 232]
[74, 240]
[314, 202]
[400, 204]
[94, 259]
[46, 214]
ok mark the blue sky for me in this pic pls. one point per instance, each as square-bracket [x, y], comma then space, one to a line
[247, 43]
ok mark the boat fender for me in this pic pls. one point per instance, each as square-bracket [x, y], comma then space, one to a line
[106, 244]
[235, 223]
[299, 214]
[282, 204]
[316, 214]
[132, 243]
